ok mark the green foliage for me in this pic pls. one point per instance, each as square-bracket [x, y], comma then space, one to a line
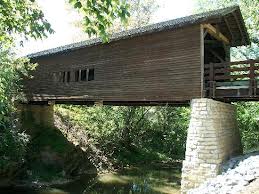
[248, 123]
[249, 9]
[12, 147]
[141, 12]
[133, 133]
[17, 18]
[11, 72]
[100, 15]
[21, 18]
[24, 19]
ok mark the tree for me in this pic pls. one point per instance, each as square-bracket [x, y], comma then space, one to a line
[98, 16]
[249, 9]
[248, 123]
[133, 134]
[140, 11]
[25, 19]
[17, 18]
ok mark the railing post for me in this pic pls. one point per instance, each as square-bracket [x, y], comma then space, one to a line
[252, 86]
[212, 86]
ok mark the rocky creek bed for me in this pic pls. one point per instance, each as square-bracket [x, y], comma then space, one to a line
[239, 175]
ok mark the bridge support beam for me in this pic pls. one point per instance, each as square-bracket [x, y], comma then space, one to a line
[39, 115]
[212, 138]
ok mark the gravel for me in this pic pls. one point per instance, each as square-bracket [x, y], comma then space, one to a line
[237, 173]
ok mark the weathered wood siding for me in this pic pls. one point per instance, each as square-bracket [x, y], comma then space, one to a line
[164, 66]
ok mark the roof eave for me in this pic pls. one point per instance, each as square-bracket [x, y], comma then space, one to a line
[163, 26]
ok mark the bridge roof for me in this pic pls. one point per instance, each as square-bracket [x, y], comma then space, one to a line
[229, 18]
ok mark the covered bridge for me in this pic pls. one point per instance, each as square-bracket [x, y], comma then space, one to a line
[165, 63]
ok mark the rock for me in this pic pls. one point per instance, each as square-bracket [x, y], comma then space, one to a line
[237, 174]
[249, 178]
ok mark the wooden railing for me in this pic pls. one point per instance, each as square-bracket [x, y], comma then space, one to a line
[231, 72]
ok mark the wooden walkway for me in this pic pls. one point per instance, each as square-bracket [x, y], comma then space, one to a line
[232, 81]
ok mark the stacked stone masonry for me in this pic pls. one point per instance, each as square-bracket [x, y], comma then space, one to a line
[212, 138]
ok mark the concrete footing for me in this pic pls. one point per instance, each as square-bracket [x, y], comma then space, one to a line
[41, 115]
[212, 138]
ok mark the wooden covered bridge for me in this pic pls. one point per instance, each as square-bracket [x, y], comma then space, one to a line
[172, 62]
[166, 63]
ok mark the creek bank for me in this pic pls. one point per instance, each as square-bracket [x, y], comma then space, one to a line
[46, 166]
[50, 159]
[79, 138]
[238, 174]
[55, 155]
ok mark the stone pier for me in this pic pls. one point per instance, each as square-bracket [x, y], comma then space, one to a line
[212, 139]
[40, 115]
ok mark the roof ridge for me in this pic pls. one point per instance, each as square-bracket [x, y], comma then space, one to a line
[156, 27]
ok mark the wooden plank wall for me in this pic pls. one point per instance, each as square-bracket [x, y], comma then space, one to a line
[163, 66]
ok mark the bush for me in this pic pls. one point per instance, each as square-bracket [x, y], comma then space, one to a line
[248, 123]
[160, 132]
[12, 147]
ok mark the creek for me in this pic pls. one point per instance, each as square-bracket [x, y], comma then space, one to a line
[139, 180]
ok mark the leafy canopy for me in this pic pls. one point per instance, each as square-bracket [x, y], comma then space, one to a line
[21, 17]
[99, 15]
[141, 12]
[130, 134]
[17, 18]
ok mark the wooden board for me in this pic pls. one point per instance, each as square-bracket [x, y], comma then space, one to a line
[159, 67]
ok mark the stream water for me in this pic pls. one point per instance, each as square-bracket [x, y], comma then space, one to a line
[129, 181]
